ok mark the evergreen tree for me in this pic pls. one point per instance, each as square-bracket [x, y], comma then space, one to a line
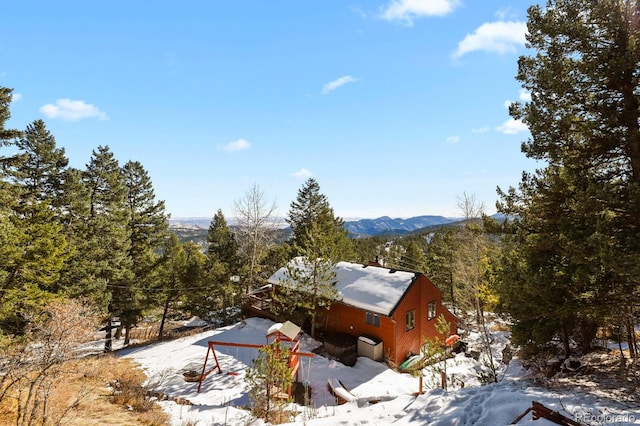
[148, 226]
[33, 267]
[310, 283]
[311, 208]
[41, 247]
[269, 378]
[78, 276]
[413, 257]
[171, 277]
[440, 261]
[41, 171]
[108, 240]
[6, 135]
[369, 249]
[548, 275]
[576, 230]
[11, 234]
[148, 222]
[222, 268]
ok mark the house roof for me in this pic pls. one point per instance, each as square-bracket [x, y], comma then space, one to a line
[370, 288]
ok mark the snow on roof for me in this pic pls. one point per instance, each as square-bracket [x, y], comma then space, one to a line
[370, 288]
[287, 329]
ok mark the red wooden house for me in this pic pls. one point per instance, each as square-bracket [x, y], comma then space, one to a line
[397, 308]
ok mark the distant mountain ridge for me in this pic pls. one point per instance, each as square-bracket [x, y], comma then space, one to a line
[357, 228]
[386, 225]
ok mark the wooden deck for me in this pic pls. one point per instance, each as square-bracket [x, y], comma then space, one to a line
[259, 304]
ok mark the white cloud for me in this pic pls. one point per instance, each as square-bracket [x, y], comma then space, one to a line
[498, 37]
[512, 127]
[15, 97]
[302, 174]
[330, 87]
[480, 130]
[239, 145]
[72, 110]
[505, 13]
[525, 96]
[453, 139]
[406, 11]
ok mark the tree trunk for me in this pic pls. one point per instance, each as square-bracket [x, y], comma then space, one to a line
[564, 334]
[631, 339]
[313, 324]
[164, 317]
[118, 334]
[588, 332]
[108, 345]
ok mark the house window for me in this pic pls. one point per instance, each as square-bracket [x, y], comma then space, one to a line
[409, 320]
[372, 319]
[431, 310]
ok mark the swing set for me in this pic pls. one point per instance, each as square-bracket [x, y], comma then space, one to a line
[286, 332]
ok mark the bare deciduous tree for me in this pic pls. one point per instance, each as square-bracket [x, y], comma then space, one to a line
[470, 286]
[256, 226]
[35, 369]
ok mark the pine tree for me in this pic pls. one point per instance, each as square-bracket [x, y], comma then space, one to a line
[6, 135]
[310, 284]
[33, 267]
[268, 378]
[78, 276]
[576, 229]
[440, 261]
[108, 245]
[148, 226]
[41, 248]
[413, 257]
[178, 274]
[41, 170]
[312, 207]
[9, 223]
[545, 272]
[369, 249]
[222, 268]
[148, 222]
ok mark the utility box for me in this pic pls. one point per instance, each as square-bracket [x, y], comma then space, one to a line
[371, 347]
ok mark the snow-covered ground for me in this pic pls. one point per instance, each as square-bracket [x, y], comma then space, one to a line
[223, 396]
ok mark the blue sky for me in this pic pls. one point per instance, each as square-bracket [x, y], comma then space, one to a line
[395, 107]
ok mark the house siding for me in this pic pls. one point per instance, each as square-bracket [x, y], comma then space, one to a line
[417, 299]
[409, 341]
[398, 342]
[350, 320]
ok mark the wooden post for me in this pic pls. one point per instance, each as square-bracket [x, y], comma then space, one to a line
[420, 391]
[443, 379]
